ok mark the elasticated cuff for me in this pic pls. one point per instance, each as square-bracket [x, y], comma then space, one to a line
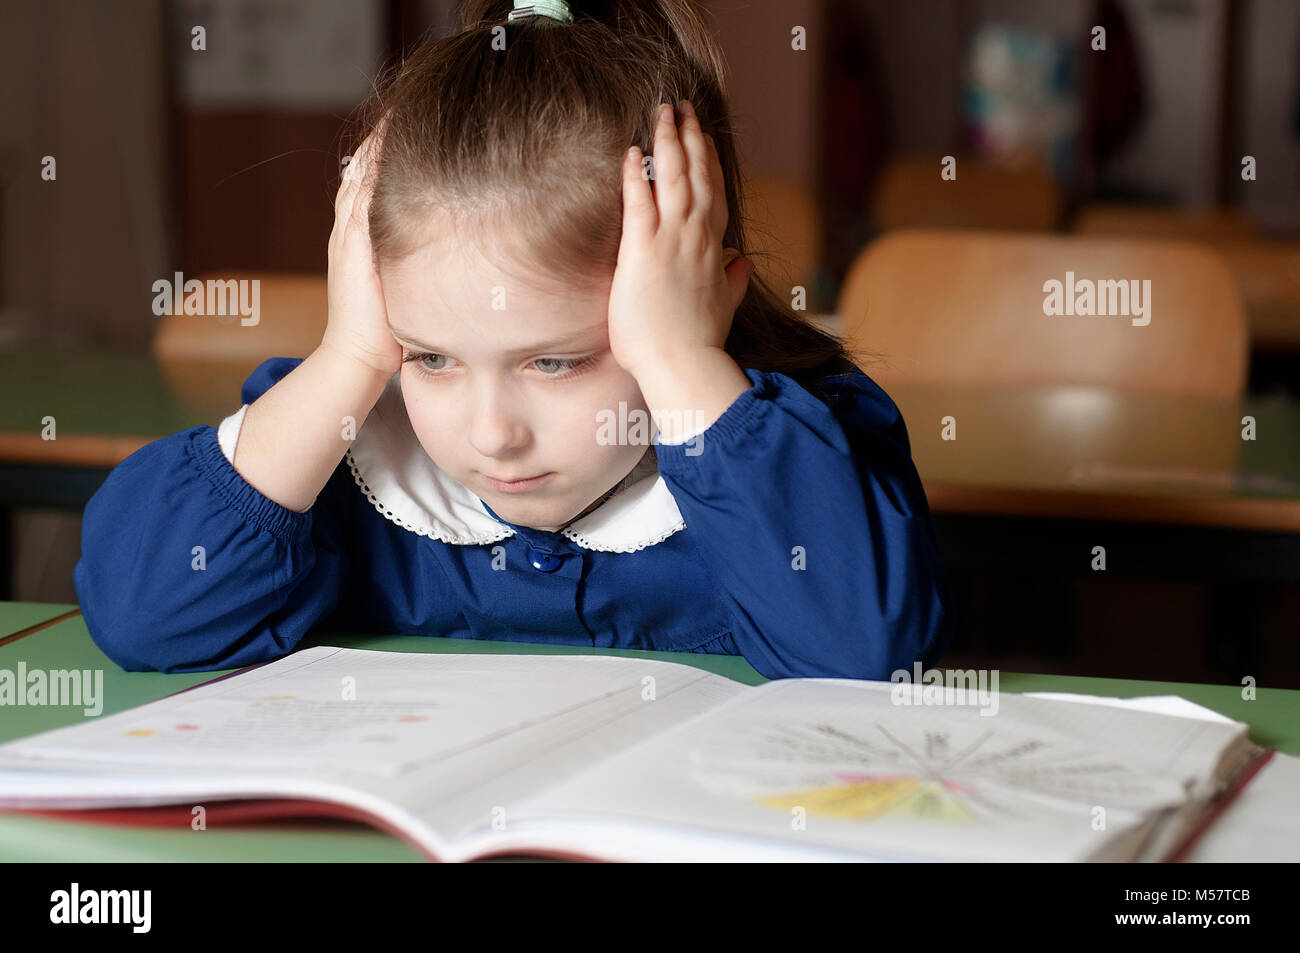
[280, 521]
[736, 421]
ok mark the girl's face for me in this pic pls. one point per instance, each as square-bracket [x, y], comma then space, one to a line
[508, 382]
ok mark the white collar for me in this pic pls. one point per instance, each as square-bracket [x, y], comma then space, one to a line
[409, 489]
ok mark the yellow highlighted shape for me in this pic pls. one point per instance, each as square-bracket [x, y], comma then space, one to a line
[867, 800]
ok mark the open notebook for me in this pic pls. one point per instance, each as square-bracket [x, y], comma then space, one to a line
[599, 757]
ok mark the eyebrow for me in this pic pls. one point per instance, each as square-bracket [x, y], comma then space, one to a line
[555, 345]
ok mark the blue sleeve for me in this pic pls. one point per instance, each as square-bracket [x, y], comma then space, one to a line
[813, 523]
[264, 576]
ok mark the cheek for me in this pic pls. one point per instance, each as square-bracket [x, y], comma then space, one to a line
[616, 396]
[616, 408]
[433, 421]
[620, 386]
[566, 421]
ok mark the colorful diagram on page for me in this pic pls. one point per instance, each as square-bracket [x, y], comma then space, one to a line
[863, 797]
[872, 773]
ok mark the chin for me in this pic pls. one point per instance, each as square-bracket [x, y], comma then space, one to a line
[534, 517]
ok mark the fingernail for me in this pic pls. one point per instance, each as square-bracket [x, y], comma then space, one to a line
[666, 112]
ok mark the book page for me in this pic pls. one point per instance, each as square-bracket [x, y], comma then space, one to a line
[1160, 704]
[838, 765]
[1262, 824]
[455, 740]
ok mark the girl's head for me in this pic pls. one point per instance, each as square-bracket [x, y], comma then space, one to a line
[496, 219]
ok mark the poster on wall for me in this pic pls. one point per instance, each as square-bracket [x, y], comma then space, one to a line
[281, 54]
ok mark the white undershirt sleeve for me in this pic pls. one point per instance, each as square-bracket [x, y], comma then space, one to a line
[228, 433]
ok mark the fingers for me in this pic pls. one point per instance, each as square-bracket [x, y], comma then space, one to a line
[365, 180]
[672, 186]
[640, 216]
[698, 161]
[689, 183]
[347, 191]
[352, 203]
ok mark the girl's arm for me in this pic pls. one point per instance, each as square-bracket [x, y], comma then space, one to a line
[221, 547]
[294, 435]
[812, 522]
[186, 566]
[815, 528]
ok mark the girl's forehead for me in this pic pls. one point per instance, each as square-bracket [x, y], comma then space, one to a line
[490, 311]
[455, 268]
[501, 337]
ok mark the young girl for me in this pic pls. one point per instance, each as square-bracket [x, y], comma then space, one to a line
[513, 295]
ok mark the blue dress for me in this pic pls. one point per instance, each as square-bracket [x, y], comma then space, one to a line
[793, 531]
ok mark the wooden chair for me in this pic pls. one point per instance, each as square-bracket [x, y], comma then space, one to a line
[911, 194]
[785, 231]
[1267, 270]
[204, 358]
[966, 308]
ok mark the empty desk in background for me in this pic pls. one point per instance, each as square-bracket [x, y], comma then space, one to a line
[102, 408]
[1037, 477]
[1099, 454]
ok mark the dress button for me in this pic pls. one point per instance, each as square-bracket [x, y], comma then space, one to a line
[543, 562]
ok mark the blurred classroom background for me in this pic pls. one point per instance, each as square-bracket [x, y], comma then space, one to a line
[1112, 499]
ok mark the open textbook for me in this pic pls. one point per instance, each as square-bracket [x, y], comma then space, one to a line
[610, 758]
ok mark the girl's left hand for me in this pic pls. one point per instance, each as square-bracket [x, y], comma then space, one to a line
[675, 289]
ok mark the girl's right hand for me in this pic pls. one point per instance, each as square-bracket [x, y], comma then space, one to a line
[358, 319]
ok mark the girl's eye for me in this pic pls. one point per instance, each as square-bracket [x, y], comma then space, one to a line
[557, 366]
[549, 366]
[424, 359]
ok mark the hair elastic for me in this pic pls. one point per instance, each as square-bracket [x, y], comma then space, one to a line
[555, 9]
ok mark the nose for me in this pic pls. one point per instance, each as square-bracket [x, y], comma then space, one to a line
[497, 424]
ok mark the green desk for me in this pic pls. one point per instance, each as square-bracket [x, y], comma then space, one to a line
[1274, 718]
[104, 406]
[18, 616]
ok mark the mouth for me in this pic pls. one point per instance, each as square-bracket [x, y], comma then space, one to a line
[517, 486]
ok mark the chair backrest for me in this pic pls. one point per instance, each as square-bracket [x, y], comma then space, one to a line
[910, 193]
[200, 354]
[291, 318]
[785, 233]
[1267, 269]
[971, 308]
